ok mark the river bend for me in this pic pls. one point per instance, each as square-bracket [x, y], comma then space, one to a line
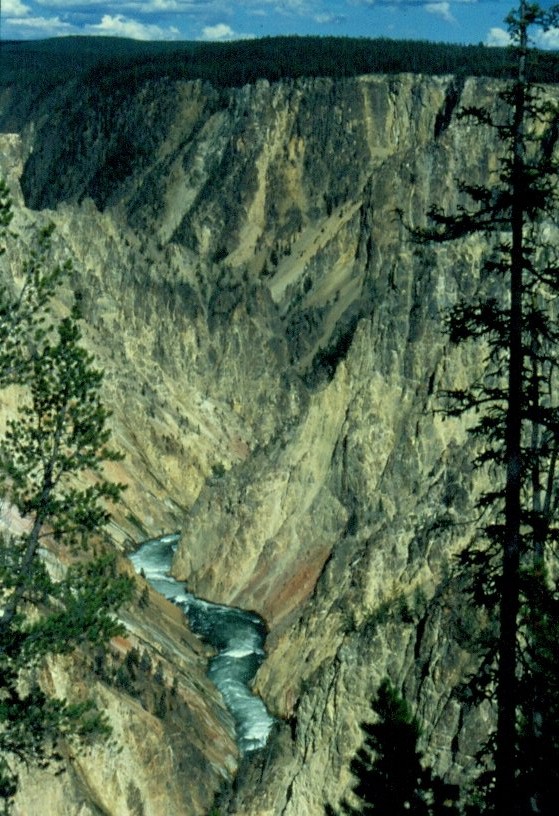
[237, 636]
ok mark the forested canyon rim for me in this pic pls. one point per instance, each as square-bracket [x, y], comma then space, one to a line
[272, 341]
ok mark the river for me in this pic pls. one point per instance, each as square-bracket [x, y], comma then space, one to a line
[237, 636]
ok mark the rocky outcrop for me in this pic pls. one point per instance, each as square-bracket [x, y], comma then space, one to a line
[273, 346]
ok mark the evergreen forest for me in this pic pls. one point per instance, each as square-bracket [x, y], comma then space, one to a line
[112, 63]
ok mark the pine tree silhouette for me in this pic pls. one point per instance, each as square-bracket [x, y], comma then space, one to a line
[513, 316]
[391, 777]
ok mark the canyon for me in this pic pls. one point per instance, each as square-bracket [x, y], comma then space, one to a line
[273, 345]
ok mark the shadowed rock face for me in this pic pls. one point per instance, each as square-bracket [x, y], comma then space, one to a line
[273, 344]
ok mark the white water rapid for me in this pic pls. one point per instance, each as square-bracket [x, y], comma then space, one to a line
[237, 636]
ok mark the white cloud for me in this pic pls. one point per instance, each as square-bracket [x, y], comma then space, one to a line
[441, 9]
[327, 19]
[40, 26]
[74, 5]
[120, 26]
[498, 36]
[163, 5]
[205, 9]
[221, 31]
[144, 6]
[14, 8]
[548, 39]
[294, 5]
[298, 7]
[141, 9]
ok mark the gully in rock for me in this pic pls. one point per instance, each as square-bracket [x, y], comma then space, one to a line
[237, 636]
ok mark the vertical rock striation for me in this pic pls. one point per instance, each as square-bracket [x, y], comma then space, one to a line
[273, 341]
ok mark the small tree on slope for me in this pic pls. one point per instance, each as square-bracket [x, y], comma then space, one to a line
[391, 778]
[58, 437]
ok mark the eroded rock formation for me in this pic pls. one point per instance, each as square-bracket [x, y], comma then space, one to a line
[273, 346]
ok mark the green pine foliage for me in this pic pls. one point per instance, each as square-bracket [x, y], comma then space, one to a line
[513, 319]
[235, 63]
[118, 67]
[538, 725]
[58, 436]
[25, 316]
[392, 781]
[389, 769]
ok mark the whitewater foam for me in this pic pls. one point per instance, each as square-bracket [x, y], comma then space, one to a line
[238, 637]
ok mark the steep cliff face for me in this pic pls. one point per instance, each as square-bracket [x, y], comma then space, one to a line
[273, 343]
[172, 748]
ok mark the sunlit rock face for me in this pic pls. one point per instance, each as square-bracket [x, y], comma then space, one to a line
[273, 345]
[168, 729]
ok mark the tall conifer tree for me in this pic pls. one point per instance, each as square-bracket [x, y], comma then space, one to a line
[58, 437]
[518, 429]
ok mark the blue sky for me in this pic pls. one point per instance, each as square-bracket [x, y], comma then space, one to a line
[462, 21]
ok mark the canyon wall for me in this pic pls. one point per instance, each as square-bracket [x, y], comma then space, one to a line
[273, 344]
